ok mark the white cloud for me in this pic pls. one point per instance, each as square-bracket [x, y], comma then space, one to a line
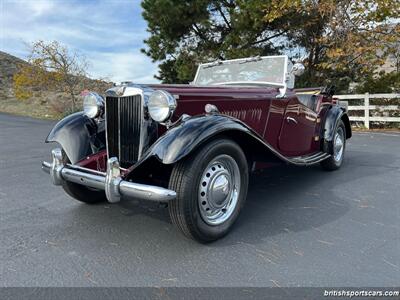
[109, 33]
[39, 7]
[124, 66]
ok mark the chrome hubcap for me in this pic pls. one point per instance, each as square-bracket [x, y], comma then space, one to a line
[219, 190]
[338, 145]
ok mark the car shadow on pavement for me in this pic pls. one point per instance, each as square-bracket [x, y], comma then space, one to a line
[287, 199]
[280, 200]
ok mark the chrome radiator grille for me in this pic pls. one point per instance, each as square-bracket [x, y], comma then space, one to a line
[123, 121]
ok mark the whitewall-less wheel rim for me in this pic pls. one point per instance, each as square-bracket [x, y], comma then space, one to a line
[338, 145]
[219, 190]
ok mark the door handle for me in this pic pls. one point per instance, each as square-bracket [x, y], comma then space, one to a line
[290, 119]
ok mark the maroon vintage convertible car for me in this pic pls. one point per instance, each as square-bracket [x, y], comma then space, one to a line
[193, 146]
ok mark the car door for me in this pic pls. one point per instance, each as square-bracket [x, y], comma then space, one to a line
[298, 129]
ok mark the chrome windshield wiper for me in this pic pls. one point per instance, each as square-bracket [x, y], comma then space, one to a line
[213, 64]
[251, 59]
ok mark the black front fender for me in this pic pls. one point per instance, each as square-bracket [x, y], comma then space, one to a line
[181, 140]
[78, 135]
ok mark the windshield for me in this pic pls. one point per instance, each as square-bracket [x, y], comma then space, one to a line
[270, 70]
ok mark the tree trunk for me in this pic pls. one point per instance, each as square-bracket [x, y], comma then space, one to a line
[73, 99]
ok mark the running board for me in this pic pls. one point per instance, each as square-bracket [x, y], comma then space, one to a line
[307, 160]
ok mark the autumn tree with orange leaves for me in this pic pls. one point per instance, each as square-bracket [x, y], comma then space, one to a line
[343, 40]
[52, 67]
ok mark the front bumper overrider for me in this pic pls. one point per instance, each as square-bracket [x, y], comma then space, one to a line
[110, 181]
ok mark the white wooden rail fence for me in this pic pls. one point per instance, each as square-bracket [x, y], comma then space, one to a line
[367, 108]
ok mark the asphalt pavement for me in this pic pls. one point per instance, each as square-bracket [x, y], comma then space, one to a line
[299, 227]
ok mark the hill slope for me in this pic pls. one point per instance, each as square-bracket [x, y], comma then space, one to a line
[8, 67]
[43, 104]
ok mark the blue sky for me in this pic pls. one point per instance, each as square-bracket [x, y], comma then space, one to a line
[109, 33]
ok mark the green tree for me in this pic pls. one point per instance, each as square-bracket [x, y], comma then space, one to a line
[342, 39]
[185, 33]
[380, 83]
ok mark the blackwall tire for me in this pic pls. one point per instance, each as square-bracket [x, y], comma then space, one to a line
[211, 186]
[82, 193]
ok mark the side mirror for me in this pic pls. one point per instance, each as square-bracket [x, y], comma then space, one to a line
[298, 69]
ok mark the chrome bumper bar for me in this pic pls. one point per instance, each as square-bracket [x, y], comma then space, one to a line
[111, 181]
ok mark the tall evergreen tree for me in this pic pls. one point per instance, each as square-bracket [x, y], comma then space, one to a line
[342, 39]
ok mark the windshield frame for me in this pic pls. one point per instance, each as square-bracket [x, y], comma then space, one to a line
[287, 78]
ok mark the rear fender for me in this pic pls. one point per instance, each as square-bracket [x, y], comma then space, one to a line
[333, 117]
[78, 135]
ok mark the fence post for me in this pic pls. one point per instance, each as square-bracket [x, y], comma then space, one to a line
[366, 111]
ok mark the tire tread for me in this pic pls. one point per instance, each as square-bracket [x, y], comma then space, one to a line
[182, 210]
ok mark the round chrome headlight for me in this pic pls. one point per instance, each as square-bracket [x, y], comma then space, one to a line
[161, 106]
[92, 105]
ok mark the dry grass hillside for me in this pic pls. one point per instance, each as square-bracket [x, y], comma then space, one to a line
[42, 104]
